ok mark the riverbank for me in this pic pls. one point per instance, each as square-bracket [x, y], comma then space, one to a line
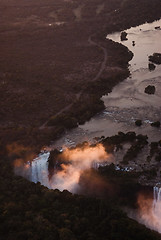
[33, 100]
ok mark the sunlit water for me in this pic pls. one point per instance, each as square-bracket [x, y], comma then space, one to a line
[124, 105]
[127, 102]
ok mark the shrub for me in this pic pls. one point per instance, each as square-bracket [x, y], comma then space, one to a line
[150, 89]
[155, 124]
[155, 58]
[138, 122]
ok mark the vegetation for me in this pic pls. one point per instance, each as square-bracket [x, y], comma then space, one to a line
[155, 151]
[135, 148]
[32, 212]
[78, 113]
[44, 70]
[120, 138]
[137, 144]
[151, 66]
[155, 124]
[138, 122]
[151, 173]
[41, 83]
[123, 36]
[155, 58]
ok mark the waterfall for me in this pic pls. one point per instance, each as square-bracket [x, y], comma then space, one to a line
[157, 194]
[156, 208]
[39, 169]
[150, 210]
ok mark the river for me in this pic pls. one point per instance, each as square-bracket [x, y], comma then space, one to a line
[125, 104]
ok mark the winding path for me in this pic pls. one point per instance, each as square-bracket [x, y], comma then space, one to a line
[103, 65]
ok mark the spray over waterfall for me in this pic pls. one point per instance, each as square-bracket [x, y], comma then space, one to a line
[150, 210]
[67, 167]
[157, 207]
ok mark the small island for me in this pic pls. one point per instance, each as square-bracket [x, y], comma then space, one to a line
[150, 89]
[155, 58]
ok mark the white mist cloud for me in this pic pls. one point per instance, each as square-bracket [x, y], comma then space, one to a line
[78, 160]
[150, 211]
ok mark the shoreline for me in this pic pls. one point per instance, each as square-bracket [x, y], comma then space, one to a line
[101, 88]
[36, 137]
[101, 83]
